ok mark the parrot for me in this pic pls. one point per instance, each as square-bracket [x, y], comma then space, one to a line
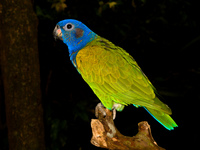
[111, 72]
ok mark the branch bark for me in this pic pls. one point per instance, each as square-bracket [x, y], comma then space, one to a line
[106, 135]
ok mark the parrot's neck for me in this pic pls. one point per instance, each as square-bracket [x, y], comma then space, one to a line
[81, 43]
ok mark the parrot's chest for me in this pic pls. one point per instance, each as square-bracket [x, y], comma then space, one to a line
[88, 58]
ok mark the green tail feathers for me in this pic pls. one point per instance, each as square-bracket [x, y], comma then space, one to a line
[162, 118]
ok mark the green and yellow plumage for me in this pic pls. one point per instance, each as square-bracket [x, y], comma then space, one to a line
[116, 78]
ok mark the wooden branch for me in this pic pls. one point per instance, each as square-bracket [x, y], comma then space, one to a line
[106, 135]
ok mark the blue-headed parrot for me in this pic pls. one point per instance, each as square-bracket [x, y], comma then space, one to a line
[112, 74]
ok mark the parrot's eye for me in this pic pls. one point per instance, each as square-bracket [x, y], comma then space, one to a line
[68, 27]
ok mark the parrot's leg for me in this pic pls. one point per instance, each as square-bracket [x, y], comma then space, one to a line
[100, 107]
[118, 107]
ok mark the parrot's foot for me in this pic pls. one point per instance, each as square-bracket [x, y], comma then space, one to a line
[98, 108]
[101, 108]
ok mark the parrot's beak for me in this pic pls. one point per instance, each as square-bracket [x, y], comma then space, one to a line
[57, 32]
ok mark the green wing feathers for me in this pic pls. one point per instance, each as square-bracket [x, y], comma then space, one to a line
[115, 77]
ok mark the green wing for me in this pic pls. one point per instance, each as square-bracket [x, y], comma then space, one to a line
[115, 77]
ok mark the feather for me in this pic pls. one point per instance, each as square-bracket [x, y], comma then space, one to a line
[162, 118]
[124, 80]
[114, 76]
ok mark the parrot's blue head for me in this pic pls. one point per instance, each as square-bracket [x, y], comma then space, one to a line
[74, 34]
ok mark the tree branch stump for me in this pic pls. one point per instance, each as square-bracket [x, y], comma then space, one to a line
[106, 135]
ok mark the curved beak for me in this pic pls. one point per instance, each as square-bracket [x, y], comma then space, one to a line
[57, 32]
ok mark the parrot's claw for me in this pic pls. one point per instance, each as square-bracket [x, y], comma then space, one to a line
[114, 113]
[100, 108]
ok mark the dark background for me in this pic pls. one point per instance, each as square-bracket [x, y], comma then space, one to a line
[164, 38]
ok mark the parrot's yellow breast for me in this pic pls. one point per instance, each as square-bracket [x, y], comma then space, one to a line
[88, 59]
